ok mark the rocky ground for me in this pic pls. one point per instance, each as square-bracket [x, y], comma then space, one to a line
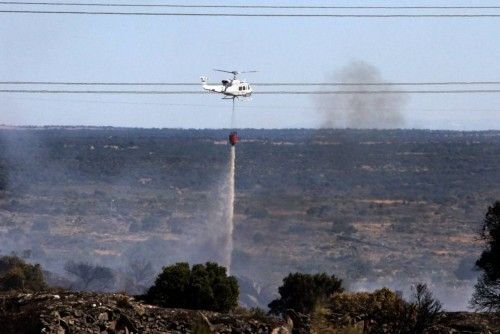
[69, 312]
[466, 322]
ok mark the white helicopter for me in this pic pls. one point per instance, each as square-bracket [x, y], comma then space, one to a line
[230, 88]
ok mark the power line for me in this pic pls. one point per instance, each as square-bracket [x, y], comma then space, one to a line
[235, 6]
[428, 83]
[43, 91]
[440, 83]
[142, 92]
[340, 92]
[100, 83]
[267, 15]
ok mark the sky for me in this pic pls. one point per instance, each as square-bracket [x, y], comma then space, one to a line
[181, 49]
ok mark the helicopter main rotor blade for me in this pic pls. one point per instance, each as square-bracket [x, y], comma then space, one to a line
[232, 72]
[249, 72]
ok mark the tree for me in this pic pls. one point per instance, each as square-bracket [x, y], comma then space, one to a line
[3, 178]
[140, 270]
[204, 286]
[91, 277]
[427, 309]
[15, 274]
[487, 289]
[301, 292]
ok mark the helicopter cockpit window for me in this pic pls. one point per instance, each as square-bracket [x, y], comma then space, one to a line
[239, 88]
[244, 87]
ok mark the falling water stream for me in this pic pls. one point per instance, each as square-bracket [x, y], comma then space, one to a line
[230, 210]
[230, 199]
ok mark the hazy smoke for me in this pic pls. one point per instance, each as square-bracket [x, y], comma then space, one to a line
[212, 240]
[378, 111]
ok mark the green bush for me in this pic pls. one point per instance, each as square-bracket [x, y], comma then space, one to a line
[301, 292]
[386, 311]
[15, 274]
[204, 286]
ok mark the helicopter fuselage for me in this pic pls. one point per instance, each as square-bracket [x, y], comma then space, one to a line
[230, 88]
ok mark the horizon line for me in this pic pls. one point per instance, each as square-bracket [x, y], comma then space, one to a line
[110, 127]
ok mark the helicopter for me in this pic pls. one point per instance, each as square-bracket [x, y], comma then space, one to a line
[233, 88]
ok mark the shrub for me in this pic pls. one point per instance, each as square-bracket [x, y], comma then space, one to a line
[257, 212]
[147, 224]
[140, 271]
[301, 292]
[91, 277]
[15, 274]
[41, 226]
[3, 178]
[322, 211]
[386, 311]
[204, 286]
[487, 290]
[383, 309]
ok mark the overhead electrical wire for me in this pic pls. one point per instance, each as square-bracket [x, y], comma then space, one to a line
[166, 5]
[63, 83]
[318, 92]
[36, 9]
[268, 15]
[424, 83]
[435, 83]
[340, 92]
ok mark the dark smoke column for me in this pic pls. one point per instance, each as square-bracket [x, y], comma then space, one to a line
[362, 111]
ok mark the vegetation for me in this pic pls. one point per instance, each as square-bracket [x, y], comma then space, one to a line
[361, 203]
[426, 309]
[140, 271]
[487, 289]
[301, 292]
[204, 286]
[383, 308]
[16, 274]
[3, 178]
[386, 311]
[91, 277]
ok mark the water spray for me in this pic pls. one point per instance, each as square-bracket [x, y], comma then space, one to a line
[230, 209]
[233, 139]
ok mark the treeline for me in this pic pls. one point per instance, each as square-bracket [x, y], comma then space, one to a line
[392, 161]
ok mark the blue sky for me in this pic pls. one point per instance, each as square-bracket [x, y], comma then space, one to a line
[180, 49]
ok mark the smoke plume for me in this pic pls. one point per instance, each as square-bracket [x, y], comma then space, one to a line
[378, 111]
